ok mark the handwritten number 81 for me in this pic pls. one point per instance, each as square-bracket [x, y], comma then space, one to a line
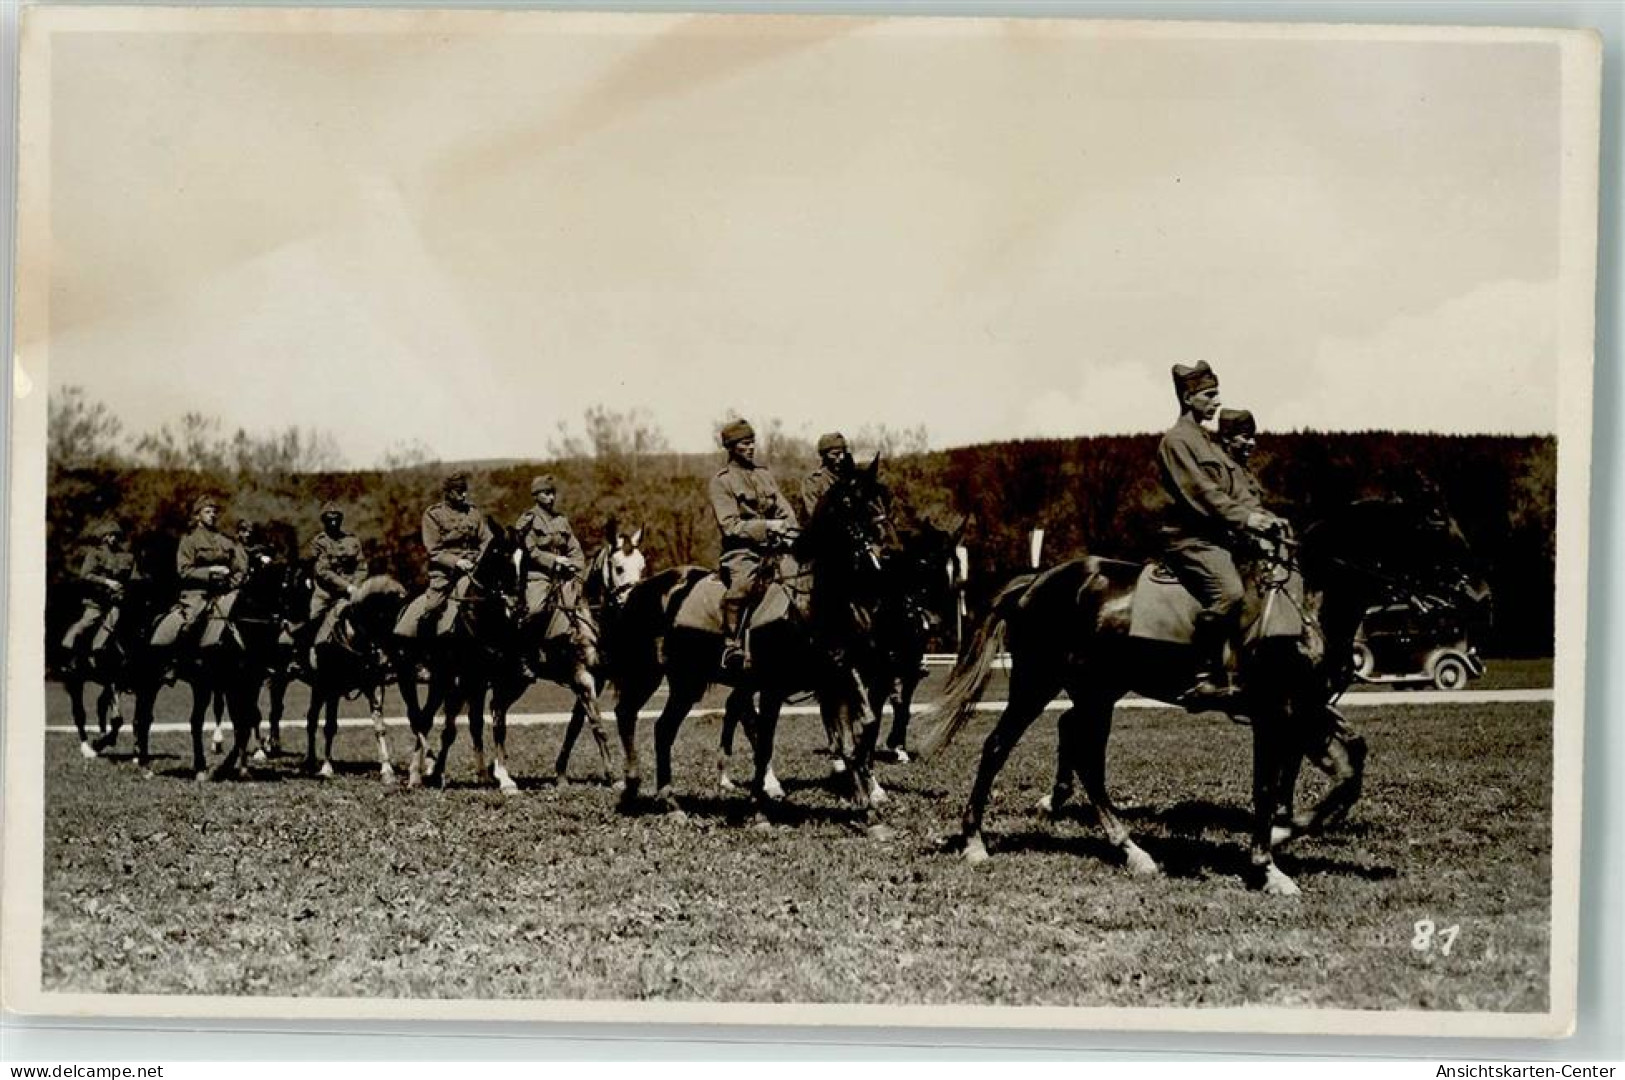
[1426, 931]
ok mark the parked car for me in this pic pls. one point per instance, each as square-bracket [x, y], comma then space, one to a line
[1404, 643]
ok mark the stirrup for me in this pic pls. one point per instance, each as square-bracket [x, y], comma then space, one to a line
[733, 658]
[1207, 694]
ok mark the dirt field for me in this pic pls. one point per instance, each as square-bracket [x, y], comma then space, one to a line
[290, 885]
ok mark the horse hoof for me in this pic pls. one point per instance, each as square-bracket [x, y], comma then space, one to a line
[276, 747]
[327, 770]
[836, 766]
[882, 833]
[1278, 884]
[85, 751]
[561, 782]
[725, 783]
[387, 773]
[1280, 834]
[975, 851]
[1045, 805]
[415, 779]
[1139, 863]
[202, 777]
[508, 786]
[877, 794]
[772, 789]
[618, 787]
[259, 756]
[901, 756]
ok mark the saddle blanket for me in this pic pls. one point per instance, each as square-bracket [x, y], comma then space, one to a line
[701, 609]
[1164, 610]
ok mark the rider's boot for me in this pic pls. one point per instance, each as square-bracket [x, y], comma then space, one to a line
[733, 639]
[1212, 688]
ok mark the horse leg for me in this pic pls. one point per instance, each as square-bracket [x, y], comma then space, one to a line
[243, 711]
[766, 725]
[375, 705]
[330, 730]
[725, 748]
[75, 688]
[499, 743]
[680, 699]
[1085, 729]
[1067, 756]
[902, 703]
[201, 697]
[1268, 774]
[587, 700]
[634, 690]
[1026, 700]
[219, 739]
[1341, 756]
[278, 688]
[476, 732]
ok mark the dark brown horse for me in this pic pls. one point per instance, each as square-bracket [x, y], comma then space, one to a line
[356, 658]
[832, 574]
[1067, 629]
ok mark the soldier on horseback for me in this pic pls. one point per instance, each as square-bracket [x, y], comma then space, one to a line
[755, 520]
[106, 569]
[1215, 509]
[834, 463]
[455, 534]
[210, 566]
[554, 562]
[336, 569]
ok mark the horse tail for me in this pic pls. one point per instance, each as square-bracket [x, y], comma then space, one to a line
[973, 670]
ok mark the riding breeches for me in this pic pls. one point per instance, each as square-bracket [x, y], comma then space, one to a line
[1209, 572]
[93, 615]
[190, 608]
[425, 608]
[742, 573]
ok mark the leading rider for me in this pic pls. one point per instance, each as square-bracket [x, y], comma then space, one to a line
[455, 534]
[1215, 514]
[755, 520]
[210, 565]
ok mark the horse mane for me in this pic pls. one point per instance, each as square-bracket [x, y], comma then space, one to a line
[378, 585]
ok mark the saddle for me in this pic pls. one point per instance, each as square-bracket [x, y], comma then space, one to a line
[1164, 610]
[217, 627]
[701, 609]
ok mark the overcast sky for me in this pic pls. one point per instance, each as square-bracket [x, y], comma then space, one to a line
[991, 229]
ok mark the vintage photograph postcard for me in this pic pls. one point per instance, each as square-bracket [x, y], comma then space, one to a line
[904, 521]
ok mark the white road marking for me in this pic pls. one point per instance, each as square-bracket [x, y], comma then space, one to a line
[1358, 700]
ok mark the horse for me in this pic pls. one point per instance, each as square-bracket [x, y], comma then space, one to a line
[103, 655]
[357, 657]
[1067, 628]
[479, 644]
[235, 665]
[827, 578]
[560, 643]
[611, 575]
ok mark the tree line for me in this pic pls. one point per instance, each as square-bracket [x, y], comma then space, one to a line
[1096, 494]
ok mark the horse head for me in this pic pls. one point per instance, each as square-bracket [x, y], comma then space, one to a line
[851, 530]
[1394, 549]
[375, 605]
[924, 570]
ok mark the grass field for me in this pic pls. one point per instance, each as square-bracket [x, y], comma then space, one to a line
[289, 885]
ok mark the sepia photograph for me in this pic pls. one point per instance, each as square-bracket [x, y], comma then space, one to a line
[798, 519]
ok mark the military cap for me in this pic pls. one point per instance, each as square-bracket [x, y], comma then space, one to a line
[331, 509]
[457, 481]
[1192, 380]
[108, 527]
[203, 502]
[832, 441]
[737, 431]
[542, 483]
[1234, 422]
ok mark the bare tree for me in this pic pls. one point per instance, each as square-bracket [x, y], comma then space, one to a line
[81, 433]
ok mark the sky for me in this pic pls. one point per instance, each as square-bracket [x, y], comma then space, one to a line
[461, 238]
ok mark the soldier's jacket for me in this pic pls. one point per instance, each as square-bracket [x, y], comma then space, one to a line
[337, 563]
[1211, 501]
[450, 534]
[204, 547]
[745, 498]
[813, 489]
[100, 564]
[547, 540]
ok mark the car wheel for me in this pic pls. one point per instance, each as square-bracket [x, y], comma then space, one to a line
[1450, 673]
[1365, 665]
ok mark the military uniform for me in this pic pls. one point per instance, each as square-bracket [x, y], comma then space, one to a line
[200, 552]
[554, 561]
[449, 534]
[336, 568]
[745, 498]
[818, 483]
[103, 574]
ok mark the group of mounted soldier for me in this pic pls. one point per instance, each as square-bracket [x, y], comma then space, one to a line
[825, 598]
